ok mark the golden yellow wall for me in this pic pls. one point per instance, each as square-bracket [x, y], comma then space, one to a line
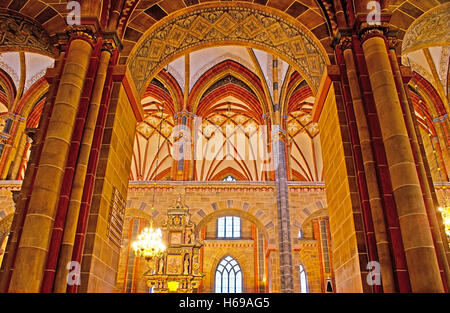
[342, 196]
[242, 250]
[100, 255]
[255, 204]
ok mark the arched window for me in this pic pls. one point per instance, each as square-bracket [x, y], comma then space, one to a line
[228, 276]
[300, 234]
[229, 227]
[303, 280]
[329, 286]
[229, 178]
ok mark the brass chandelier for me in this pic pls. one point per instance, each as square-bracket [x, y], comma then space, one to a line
[149, 243]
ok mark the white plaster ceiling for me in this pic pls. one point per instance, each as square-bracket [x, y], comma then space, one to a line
[35, 67]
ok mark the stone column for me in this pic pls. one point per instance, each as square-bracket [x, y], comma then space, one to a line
[429, 205]
[18, 128]
[182, 146]
[76, 194]
[27, 184]
[376, 204]
[32, 250]
[279, 137]
[15, 166]
[417, 239]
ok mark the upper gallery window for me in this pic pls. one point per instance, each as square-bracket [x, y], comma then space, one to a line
[300, 234]
[229, 178]
[229, 227]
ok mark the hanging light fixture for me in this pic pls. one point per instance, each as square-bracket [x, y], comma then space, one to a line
[445, 211]
[149, 244]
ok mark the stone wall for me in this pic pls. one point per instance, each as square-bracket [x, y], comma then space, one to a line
[348, 246]
[101, 255]
[255, 203]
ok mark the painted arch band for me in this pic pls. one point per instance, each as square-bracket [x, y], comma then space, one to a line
[227, 25]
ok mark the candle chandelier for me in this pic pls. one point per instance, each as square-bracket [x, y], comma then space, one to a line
[149, 244]
[445, 211]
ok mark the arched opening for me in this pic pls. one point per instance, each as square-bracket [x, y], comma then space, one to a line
[228, 277]
[214, 67]
[303, 280]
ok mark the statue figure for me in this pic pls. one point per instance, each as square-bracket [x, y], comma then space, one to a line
[186, 265]
[161, 266]
[190, 237]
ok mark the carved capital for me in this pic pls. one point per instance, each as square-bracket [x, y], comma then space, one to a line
[366, 32]
[87, 32]
[15, 196]
[345, 43]
[111, 42]
[393, 42]
[31, 132]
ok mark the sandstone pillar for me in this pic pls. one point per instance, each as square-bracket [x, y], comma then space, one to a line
[429, 205]
[416, 234]
[27, 184]
[279, 137]
[33, 248]
[376, 204]
[70, 226]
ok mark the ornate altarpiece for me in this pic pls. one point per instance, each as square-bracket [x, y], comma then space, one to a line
[178, 270]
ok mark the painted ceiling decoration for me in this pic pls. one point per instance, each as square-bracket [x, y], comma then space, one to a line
[430, 30]
[21, 33]
[230, 82]
[224, 96]
[227, 25]
[24, 70]
[426, 48]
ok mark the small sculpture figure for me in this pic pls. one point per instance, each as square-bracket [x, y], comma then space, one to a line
[161, 266]
[186, 265]
[190, 237]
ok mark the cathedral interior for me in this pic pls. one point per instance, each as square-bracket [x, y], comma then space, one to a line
[201, 146]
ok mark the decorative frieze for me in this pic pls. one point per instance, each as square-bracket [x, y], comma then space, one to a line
[20, 33]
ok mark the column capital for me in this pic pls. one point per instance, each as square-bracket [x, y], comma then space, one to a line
[15, 196]
[111, 42]
[31, 132]
[345, 43]
[15, 117]
[279, 134]
[88, 32]
[184, 113]
[342, 37]
[367, 32]
[366, 28]
[392, 42]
